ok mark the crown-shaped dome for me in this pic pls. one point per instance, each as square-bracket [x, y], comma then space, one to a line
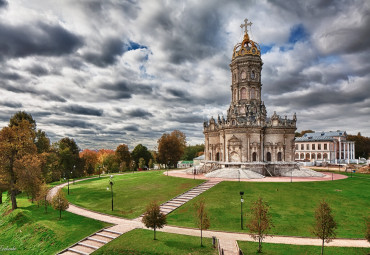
[247, 46]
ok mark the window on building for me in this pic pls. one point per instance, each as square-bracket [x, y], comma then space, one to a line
[313, 155]
[254, 156]
[243, 93]
[325, 146]
[253, 93]
[302, 155]
[302, 147]
[279, 156]
[308, 156]
[296, 147]
[308, 147]
[325, 155]
[318, 155]
[319, 146]
[296, 156]
[268, 156]
[313, 147]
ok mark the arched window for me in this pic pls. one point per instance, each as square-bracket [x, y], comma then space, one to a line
[325, 155]
[253, 93]
[243, 93]
[279, 156]
[302, 156]
[318, 155]
[296, 156]
[313, 155]
[308, 156]
[268, 156]
[254, 156]
[217, 156]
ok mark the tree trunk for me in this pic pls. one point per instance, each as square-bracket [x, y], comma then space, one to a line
[259, 245]
[154, 234]
[322, 247]
[13, 198]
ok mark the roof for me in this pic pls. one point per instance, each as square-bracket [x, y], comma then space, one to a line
[321, 136]
[201, 157]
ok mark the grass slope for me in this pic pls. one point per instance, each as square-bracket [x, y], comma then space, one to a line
[249, 248]
[292, 205]
[140, 241]
[132, 192]
[30, 230]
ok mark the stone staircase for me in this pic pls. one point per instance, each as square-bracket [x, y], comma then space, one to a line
[178, 201]
[92, 243]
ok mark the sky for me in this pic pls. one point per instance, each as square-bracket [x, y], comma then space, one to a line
[112, 72]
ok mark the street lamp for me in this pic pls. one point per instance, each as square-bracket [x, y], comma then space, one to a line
[241, 208]
[111, 188]
[74, 170]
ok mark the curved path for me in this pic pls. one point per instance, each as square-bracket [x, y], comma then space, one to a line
[124, 225]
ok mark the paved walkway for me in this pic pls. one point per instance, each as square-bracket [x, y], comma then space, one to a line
[227, 239]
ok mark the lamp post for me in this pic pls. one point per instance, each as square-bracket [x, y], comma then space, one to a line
[194, 171]
[74, 170]
[111, 188]
[241, 208]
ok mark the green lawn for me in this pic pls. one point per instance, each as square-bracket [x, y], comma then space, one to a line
[140, 241]
[292, 205]
[249, 248]
[132, 192]
[30, 230]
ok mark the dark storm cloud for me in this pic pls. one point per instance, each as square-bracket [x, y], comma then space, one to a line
[10, 75]
[125, 89]
[110, 49]
[36, 39]
[72, 123]
[11, 104]
[131, 128]
[78, 109]
[44, 94]
[38, 70]
[3, 3]
[139, 113]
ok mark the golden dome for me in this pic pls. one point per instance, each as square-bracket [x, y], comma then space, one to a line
[247, 46]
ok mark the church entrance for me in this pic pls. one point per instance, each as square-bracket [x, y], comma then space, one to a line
[217, 156]
[254, 156]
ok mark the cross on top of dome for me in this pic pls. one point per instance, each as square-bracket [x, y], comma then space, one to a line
[245, 25]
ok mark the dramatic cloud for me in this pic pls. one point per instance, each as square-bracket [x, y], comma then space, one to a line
[112, 72]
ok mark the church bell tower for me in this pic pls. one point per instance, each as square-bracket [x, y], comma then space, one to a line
[246, 106]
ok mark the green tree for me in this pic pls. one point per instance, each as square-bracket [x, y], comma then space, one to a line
[60, 202]
[140, 151]
[153, 218]
[20, 116]
[192, 151]
[141, 163]
[42, 142]
[325, 224]
[202, 219]
[362, 144]
[16, 141]
[171, 147]
[123, 154]
[151, 164]
[69, 159]
[260, 222]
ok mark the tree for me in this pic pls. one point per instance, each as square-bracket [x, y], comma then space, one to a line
[42, 196]
[90, 159]
[141, 163]
[325, 224]
[151, 164]
[171, 147]
[68, 153]
[16, 141]
[192, 152]
[260, 222]
[362, 144]
[123, 154]
[28, 172]
[202, 219]
[153, 218]
[60, 202]
[140, 151]
[20, 116]
[42, 142]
